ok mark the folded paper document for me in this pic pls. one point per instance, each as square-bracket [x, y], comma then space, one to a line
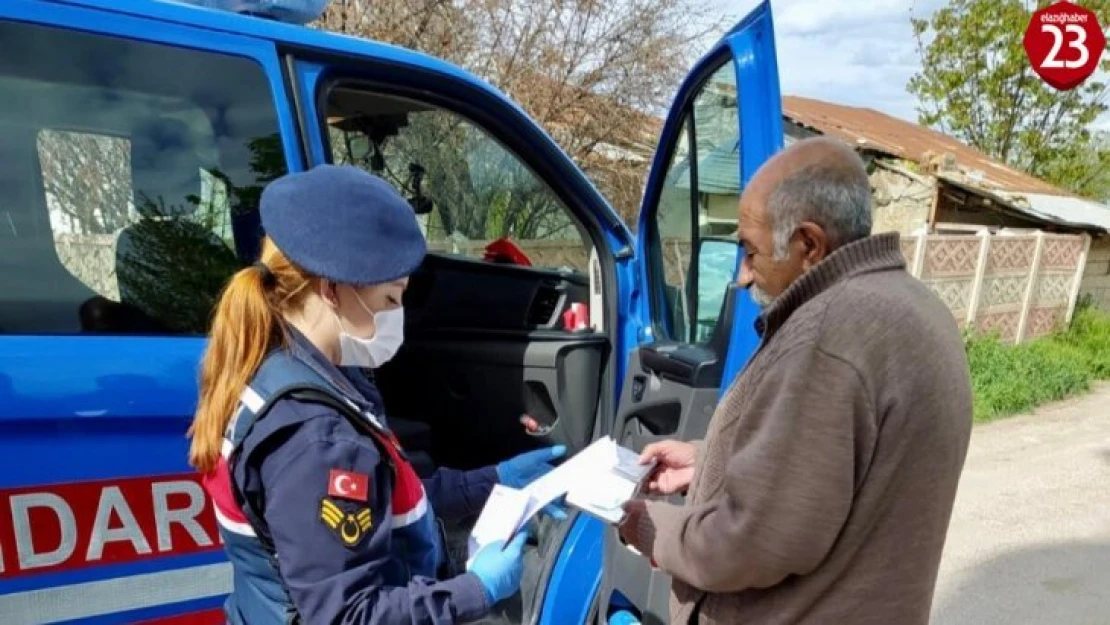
[598, 480]
[612, 477]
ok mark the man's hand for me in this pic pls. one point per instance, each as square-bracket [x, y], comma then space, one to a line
[629, 527]
[675, 470]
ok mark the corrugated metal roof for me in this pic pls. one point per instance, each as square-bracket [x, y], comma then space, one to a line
[1072, 210]
[868, 128]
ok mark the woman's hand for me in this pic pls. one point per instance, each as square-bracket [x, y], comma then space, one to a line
[530, 466]
[500, 568]
[675, 469]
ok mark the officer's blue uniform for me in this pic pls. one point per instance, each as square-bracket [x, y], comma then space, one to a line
[353, 559]
[322, 516]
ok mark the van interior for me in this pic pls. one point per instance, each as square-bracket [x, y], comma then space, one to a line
[485, 341]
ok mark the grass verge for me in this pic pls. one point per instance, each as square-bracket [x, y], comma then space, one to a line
[1012, 379]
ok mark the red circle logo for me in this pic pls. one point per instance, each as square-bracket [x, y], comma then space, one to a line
[1064, 42]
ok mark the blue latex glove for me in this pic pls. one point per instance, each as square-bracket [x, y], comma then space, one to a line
[527, 467]
[500, 570]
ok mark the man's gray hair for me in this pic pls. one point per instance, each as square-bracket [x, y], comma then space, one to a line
[835, 196]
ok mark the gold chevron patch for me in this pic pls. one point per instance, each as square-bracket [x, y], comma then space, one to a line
[349, 527]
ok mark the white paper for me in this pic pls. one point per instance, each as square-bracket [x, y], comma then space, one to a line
[500, 518]
[598, 480]
[614, 475]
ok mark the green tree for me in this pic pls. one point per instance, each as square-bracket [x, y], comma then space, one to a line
[977, 84]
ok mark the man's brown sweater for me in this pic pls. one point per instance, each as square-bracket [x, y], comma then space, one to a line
[826, 480]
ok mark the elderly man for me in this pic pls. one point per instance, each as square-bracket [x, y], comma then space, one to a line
[823, 490]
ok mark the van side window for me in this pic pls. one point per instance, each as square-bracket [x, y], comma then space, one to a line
[466, 188]
[130, 183]
[700, 199]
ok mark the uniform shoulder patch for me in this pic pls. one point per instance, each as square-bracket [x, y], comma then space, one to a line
[349, 485]
[349, 526]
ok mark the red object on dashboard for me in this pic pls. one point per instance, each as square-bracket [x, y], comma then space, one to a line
[505, 251]
[576, 318]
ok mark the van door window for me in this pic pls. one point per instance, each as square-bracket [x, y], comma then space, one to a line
[130, 183]
[700, 198]
[466, 188]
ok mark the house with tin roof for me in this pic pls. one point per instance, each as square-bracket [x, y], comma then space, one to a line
[923, 182]
[926, 181]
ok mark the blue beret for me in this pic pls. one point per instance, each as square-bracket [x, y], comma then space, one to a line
[344, 224]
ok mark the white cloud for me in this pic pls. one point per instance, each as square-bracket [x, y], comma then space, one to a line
[809, 17]
[854, 53]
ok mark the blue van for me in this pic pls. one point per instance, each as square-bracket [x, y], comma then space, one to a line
[135, 136]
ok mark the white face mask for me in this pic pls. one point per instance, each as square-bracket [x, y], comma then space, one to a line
[389, 334]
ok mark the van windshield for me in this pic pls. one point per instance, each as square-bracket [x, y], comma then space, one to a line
[467, 189]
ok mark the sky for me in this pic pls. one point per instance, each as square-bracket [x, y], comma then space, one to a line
[841, 52]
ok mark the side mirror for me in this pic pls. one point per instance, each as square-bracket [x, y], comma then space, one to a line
[717, 259]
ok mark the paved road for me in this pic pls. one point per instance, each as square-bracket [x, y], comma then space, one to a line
[1030, 537]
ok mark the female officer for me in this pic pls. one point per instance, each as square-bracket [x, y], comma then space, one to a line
[322, 517]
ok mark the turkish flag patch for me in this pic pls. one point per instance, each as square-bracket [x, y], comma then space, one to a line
[349, 485]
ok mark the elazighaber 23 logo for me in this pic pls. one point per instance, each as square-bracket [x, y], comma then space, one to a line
[1065, 44]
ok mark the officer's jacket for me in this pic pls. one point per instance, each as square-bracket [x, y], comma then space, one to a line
[323, 518]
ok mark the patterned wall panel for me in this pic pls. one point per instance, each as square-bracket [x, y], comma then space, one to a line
[1061, 252]
[1004, 324]
[1003, 292]
[1043, 321]
[950, 264]
[1011, 255]
[1053, 288]
[951, 256]
[956, 294]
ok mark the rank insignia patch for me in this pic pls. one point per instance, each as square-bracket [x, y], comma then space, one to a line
[349, 527]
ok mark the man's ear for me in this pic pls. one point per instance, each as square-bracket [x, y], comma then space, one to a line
[744, 276]
[815, 243]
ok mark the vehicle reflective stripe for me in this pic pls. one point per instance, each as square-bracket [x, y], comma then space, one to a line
[122, 594]
[412, 516]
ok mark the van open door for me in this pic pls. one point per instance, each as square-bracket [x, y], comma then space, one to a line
[699, 327]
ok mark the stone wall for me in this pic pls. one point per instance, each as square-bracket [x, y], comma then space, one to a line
[901, 203]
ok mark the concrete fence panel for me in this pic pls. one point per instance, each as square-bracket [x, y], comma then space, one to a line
[1005, 280]
[949, 270]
